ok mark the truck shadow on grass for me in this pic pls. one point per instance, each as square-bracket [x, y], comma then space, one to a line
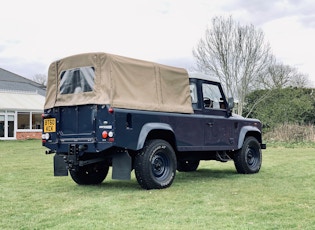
[206, 174]
[201, 175]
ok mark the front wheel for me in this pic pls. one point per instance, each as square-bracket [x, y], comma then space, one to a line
[248, 159]
[90, 174]
[155, 165]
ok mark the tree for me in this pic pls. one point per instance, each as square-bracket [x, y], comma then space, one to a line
[278, 76]
[40, 79]
[236, 54]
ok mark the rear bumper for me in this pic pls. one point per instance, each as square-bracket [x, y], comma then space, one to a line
[82, 146]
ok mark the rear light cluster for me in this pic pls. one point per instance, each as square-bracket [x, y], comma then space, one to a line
[108, 135]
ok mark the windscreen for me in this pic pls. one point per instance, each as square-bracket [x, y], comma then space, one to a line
[78, 80]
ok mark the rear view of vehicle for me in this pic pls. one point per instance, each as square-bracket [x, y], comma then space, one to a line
[96, 116]
[76, 128]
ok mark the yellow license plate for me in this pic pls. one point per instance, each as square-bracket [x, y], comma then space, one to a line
[50, 125]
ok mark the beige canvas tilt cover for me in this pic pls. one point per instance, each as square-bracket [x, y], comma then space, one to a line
[122, 82]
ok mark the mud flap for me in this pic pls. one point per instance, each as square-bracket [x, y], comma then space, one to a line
[60, 167]
[121, 166]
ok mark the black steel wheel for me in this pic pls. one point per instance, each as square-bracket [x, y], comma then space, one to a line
[90, 174]
[187, 166]
[155, 165]
[248, 159]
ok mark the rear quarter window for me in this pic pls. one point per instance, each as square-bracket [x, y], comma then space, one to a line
[78, 80]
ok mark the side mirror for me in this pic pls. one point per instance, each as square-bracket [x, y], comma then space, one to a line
[230, 103]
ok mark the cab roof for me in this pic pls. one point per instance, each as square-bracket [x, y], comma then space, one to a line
[202, 76]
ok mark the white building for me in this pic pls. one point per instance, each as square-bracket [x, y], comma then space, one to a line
[21, 106]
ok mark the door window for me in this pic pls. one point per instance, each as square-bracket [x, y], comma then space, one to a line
[212, 97]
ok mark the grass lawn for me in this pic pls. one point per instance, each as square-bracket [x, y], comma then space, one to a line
[280, 196]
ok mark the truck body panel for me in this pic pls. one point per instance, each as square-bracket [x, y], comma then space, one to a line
[131, 128]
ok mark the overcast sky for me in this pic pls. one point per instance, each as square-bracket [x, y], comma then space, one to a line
[33, 33]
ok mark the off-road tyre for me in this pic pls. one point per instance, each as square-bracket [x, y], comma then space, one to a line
[248, 159]
[187, 166]
[155, 165]
[90, 174]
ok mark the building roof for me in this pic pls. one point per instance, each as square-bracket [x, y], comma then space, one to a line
[19, 93]
[13, 82]
[21, 101]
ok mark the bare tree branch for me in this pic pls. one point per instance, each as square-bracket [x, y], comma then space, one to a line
[236, 54]
[40, 79]
[279, 76]
[258, 101]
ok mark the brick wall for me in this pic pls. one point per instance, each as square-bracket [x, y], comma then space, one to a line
[28, 135]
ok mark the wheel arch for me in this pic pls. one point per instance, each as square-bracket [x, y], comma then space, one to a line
[156, 131]
[247, 131]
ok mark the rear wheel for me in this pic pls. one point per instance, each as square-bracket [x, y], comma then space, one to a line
[90, 174]
[248, 159]
[155, 165]
[187, 166]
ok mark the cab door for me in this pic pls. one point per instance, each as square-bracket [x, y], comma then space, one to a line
[218, 127]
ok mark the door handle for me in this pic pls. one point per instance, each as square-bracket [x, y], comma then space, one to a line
[210, 123]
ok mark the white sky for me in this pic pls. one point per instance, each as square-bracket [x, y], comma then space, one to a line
[33, 33]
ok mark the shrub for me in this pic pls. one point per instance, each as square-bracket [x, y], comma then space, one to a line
[291, 133]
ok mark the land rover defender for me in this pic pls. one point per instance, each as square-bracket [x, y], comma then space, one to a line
[104, 110]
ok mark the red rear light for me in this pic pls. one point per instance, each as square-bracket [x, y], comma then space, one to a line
[104, 134]
[111, 110]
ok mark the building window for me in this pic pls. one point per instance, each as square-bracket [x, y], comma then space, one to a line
[23, 120]
[2, 119]
[29, 120]
[10, 125]
[36, 121]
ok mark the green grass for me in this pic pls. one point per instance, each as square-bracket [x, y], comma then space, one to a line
[281, 196]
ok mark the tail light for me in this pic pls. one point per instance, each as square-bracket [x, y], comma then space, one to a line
[109, 135]
[111, 110]
[104, 134]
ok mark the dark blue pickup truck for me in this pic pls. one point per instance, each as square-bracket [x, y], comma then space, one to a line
[105, 110]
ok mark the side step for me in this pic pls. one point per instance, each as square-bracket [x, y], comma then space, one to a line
[223, 157]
